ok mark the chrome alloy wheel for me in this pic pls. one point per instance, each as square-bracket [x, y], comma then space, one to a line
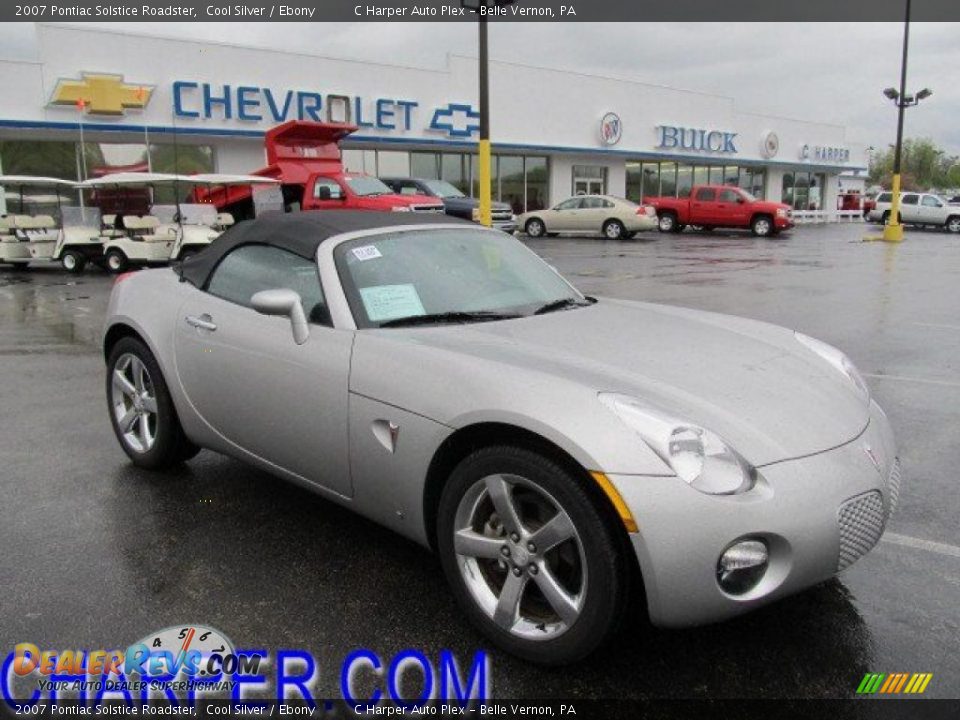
[520, 556]
[134, 403]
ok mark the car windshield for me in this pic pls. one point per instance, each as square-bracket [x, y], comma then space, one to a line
[452, 275]
[443, 189]
[365, 185]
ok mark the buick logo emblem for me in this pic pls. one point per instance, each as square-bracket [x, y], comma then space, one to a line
[610, 129]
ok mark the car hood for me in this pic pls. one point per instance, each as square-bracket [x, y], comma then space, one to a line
[752, 383]
[469, 203]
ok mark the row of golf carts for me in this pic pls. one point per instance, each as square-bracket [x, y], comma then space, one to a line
[78, 235]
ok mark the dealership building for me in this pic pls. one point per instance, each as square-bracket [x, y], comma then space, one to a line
[94, 100]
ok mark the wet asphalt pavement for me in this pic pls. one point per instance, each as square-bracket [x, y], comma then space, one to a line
[98, 554]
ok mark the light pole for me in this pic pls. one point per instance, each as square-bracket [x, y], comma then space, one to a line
[483, 149]
[893, 232]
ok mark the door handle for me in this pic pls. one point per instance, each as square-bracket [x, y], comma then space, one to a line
[204, 322]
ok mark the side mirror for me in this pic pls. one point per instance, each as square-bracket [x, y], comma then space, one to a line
[283, 303]
[741, 200]
[323, 192]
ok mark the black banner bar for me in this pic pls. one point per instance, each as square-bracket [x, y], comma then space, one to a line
[453, 11]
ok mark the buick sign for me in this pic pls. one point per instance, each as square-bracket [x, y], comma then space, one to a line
[673, 137]
[610, 129]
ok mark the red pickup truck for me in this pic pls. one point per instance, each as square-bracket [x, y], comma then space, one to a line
[711, 206]
[305, 158]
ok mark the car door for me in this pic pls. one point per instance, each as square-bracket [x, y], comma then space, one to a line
[252, 383]
[910, 208]
[931, 210]
[591, 213]
[327, 193]
[703, 206]
[732, 208]
[563, 217]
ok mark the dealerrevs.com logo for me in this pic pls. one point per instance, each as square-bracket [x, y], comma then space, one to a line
[187, 663]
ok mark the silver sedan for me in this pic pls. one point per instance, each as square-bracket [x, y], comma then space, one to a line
[562, 454]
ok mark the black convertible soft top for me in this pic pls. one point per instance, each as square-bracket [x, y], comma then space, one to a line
[300, 233]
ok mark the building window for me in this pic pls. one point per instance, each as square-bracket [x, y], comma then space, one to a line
[589, 179]
[803, 190]
[522, 181]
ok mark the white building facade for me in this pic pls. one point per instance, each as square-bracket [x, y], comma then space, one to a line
[96, 100]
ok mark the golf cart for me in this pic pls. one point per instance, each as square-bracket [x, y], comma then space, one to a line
[51, 230]
[168, 232]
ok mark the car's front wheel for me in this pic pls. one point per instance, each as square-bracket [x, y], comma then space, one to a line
[530, 555]
[141, 409]
[116, 261]
[762, 226]
[73, 262]
[953, 224]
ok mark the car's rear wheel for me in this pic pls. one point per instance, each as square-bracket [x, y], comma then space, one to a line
[141, 409]
[530, 555]
[115, 261]
[614, 230]
[667, 222]
[535, 227]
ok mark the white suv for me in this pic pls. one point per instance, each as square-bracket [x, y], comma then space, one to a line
[918, 209]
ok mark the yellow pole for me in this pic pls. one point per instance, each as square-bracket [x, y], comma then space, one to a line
[893, 232]
[486, 217]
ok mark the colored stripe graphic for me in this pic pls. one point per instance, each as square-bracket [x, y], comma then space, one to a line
[894, 683]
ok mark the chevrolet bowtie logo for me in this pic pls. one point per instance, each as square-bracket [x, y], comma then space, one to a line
[101, 94]
[457, 120]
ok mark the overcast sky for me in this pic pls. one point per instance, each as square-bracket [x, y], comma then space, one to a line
[828, 72]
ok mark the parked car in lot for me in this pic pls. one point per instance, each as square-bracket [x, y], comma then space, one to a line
[455, 202]
[713, 206]
[614, 217]
[552, 448]
[923, 209]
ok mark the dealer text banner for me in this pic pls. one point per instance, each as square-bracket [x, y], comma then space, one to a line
[453, 10]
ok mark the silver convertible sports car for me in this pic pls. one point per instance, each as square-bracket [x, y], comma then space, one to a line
[570, 459]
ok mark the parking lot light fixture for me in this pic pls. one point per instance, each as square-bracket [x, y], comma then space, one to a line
[483, 150]
[893, 232]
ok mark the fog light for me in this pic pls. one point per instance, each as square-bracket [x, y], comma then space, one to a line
[742, 566]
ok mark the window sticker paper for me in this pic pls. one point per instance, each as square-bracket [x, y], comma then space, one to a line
[387, 302]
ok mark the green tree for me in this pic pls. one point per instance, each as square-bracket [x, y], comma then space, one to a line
[924, 166]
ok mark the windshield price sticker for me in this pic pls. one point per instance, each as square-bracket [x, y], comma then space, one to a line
[386, 302]
[367, 252]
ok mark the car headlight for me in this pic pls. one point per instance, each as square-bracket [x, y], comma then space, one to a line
[781, 212]
[400, 208]
[836, 358]
[699, 457]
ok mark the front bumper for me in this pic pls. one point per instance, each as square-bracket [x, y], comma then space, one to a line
[817, 514]
[507, 226]
[784, 223]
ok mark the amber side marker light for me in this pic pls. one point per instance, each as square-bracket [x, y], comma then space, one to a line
[621, 507]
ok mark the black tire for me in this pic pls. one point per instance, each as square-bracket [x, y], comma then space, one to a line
[604, 551]
[953, 224]
[613, 230]
[762, 226]
[115, 261]
[535, 228]
[667, 222]
[73, 261]
[170, 445]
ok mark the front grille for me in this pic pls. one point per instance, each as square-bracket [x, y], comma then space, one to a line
[861, 521]
[893, 487]
[501, 215]
[427, 208]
